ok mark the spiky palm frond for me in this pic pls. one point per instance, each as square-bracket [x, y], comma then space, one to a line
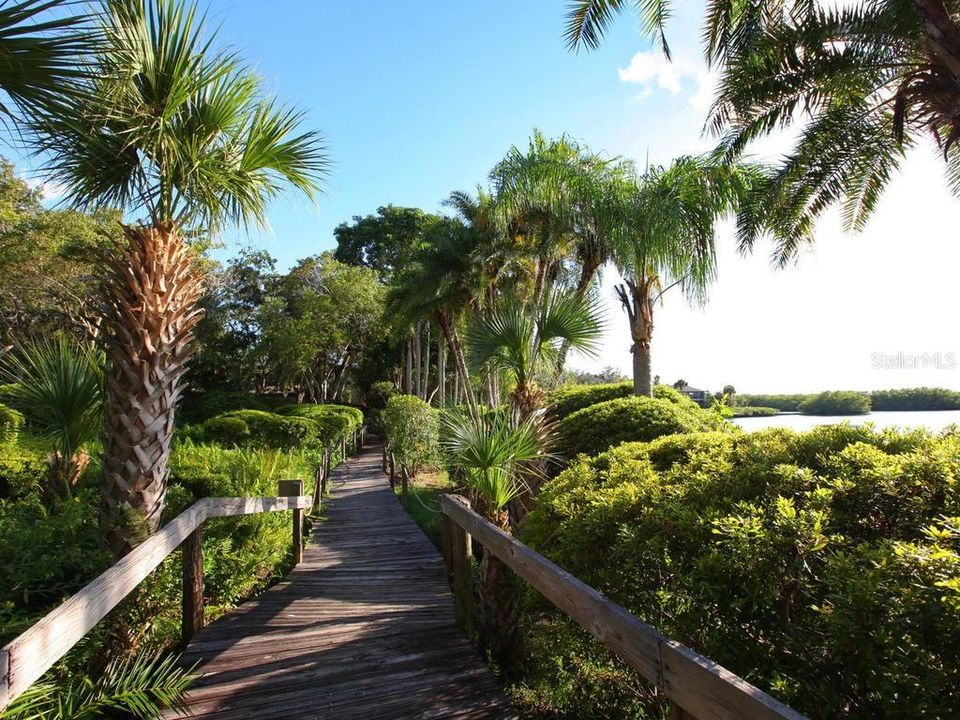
[588, 20]
[43, 48]
[515, 337]
[141, 687]
[175, 129]
[491, 450]
[58, 385]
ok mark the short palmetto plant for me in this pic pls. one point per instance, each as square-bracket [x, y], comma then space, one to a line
[492, 455]
[521, 337]
[179, 133]
[140, 687]
[863, 81]
[58, 385]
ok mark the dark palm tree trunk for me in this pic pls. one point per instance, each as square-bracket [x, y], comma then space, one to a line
[418, 378]
[500, 604]
[441, 371]
[408, 368]
[587, 272]
[149, 296]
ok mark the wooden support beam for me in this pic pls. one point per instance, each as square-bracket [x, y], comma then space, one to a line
[446, 544]
[293, 488]
[192, 618]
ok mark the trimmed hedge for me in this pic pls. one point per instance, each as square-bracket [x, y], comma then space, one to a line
[836, 402]
[599, 427]
[822, 566]
[257, 428]
[567, 400]
[198, 408]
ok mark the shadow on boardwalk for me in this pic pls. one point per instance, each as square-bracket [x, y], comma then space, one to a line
[364, 628]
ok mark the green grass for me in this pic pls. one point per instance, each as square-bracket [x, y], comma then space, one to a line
[423, 501]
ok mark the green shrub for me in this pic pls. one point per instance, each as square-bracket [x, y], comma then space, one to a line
[413, 432]
[10, 423]
[47, 555]
[753, 411]
[199, 407]
[332, 422]
[604, 425]
[783, 403]
[836, 402]
[822, 566]
[567, 400]
[258, 428]
[922, 398]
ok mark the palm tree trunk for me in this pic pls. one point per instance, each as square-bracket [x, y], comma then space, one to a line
[408, 368]
[637, 299]
[149, 296]
[459, 360]
[418, 378]
[441, 371]
[499, 604]
[426, 361]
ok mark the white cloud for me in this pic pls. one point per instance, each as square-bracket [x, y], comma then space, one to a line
[651, 69]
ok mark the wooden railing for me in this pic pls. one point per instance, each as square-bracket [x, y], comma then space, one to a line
[697, 688]
[25, 658]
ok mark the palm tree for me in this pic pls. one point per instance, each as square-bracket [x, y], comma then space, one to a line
[180, 134]
[667, 240]
[516, 337]
[58, 386]
[492, 453]
[865, 81]
[42, 47]
[446, 278]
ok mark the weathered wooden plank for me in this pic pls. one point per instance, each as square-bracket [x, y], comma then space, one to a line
[701, 688]
[363, 627]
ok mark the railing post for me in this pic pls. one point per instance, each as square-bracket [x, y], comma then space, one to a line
[385, 457]
[318, 483]
[462, 560]
[446, 541]
[192, 618]
[393, 472]
[293, 488]
[404, 483]
[678, 713]
[325, 482]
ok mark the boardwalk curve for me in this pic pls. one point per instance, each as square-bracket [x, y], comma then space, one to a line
[363, 628]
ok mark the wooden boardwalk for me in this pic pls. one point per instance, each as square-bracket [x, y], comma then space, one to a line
[363, 628]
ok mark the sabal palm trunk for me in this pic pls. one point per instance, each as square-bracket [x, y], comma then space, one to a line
[149, 294]
[587, 272]
[499, 604]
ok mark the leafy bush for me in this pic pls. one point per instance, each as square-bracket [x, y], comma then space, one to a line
[567, 400]
[922, 398]
[10, 423]
[753, 411]
[353, 415]
[413, 431]
[822, 566]
[598, 427]
[836, 402]
[783, 403]
[199, 407]
[47, 555]
[258, 428]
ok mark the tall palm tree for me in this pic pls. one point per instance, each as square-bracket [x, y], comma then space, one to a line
[43, 44]
[179, 133]
[446, 278]
[518, 337]
[492, 453]
[667, 240]
[864, 82]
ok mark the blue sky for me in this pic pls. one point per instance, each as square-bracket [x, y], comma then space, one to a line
[417, 98]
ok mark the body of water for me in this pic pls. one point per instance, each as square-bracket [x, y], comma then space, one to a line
[929, 419]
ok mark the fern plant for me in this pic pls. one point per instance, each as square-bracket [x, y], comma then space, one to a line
[140, 686]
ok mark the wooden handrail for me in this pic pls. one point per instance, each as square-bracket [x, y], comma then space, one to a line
[28, 656]
[698, 687]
